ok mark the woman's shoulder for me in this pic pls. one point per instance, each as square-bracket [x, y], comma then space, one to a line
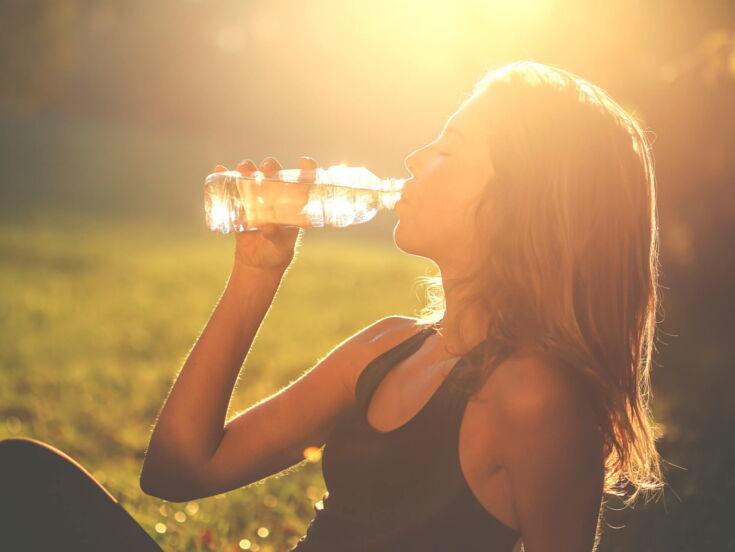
[535, 425]
[399, 322]
[529, 381]
[387, 332]
[379, 337]
[534, 392]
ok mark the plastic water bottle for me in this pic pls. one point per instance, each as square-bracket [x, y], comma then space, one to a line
[334, 196]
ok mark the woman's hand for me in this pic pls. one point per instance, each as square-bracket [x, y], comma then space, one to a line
[271, 246]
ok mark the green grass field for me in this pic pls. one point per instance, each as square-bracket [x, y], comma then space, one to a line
[97, 317]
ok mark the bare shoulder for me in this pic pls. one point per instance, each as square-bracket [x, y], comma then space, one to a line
[386, 333]
[524, 383]
[533, 394]
[550, 449]
[375, 339]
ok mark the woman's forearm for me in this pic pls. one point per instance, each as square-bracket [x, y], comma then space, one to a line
[191, 422]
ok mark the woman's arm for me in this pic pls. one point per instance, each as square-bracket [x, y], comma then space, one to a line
[552, 452]
[194, 454]
[190, 425]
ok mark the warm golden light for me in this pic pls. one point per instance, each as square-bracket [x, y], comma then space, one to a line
[340, 210]
[519, 13]
[230, 39]
[106, 234]
[219, 215]
[313, 454]
[314, 493]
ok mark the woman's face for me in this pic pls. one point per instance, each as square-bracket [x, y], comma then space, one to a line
[448, 176]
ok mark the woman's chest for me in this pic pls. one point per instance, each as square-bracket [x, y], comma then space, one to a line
[415, 394]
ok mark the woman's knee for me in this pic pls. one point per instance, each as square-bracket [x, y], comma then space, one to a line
[40, 482]
[30, 464]
[23, 446]
[18, 454]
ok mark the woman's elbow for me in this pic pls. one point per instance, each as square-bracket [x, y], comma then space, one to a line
[170, 485]
[170, 490]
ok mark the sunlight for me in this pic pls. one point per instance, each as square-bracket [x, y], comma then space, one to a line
[109, 274]
[219, 213]
[519, 13]
[230, 39]
[313, 454]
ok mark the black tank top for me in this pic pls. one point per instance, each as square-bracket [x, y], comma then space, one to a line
[402, 490]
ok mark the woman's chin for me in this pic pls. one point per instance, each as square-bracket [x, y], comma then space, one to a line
[396, 232]
[398, 236]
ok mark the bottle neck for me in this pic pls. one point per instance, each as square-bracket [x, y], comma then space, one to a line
[391, 192]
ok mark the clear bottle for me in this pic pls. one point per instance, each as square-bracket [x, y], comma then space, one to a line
[334, 196]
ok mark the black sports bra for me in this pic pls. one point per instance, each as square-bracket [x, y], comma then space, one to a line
[401, 490]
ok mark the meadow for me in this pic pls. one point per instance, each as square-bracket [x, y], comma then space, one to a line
[97, 316]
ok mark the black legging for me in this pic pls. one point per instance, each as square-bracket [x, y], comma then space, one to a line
[49, 502]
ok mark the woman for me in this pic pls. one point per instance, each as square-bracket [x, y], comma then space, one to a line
[519, 396]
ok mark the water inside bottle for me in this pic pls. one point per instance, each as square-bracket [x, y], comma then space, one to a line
[237, 203]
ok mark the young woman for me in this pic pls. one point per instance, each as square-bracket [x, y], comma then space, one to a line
[518, 397]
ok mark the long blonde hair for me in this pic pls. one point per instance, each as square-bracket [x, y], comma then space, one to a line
[571, 263]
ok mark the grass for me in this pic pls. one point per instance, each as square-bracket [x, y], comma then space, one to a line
[97, 316]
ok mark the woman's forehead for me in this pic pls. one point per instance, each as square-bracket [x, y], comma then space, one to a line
[465, 121]
[468, 124]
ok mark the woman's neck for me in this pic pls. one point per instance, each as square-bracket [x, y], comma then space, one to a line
[459, 330]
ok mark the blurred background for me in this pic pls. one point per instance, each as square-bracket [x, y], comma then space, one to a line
[112, 114]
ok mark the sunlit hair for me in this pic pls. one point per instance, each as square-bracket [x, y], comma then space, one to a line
[571, 261]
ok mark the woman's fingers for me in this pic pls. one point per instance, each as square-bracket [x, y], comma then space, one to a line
[269, 166]
[246, 167]
[307, 167]
[307, 163]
